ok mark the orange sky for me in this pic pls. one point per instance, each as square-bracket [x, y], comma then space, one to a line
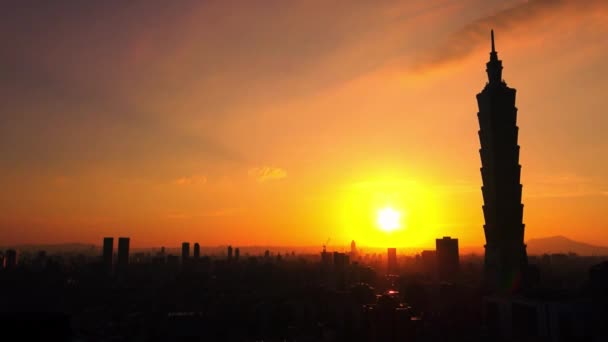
[293, 122]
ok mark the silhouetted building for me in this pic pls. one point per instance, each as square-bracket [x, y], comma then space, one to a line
[340, 260]
[10, 259]
[429, 261]
[108, 254]
[185, 252]
[326, 258]
[229, 252]
[197, 250]
[237, 254]
[447, 257]
[392, 260]
[353, 250]
[505, 252]
[123, 254]
[35, 326]
[173, 262]
[548, 318]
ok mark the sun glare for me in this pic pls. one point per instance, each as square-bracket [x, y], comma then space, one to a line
[388, 219]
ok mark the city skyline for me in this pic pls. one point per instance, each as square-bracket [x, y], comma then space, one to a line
[186, 130]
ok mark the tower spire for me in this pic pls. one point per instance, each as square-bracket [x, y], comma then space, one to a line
[494, 66]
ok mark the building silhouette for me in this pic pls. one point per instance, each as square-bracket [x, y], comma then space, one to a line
[326, 258]
[341, 260]
[10, 259]
[505, 252]
[197, 250]
[108, 254]
[237, 254]
[185, 252]
[429, 261]
[353, 250]
[392, 260]
[229, 252]
[123, 254]
[446, 250]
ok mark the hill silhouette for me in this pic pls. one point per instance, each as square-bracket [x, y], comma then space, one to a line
[561, 244]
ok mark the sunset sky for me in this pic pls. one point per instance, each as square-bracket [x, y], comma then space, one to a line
[291, 122]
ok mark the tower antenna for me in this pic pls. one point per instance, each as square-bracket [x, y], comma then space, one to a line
[492, 35]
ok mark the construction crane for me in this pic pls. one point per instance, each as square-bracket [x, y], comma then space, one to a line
[326, 243]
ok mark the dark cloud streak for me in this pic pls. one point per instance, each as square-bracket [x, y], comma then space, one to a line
[475, 35]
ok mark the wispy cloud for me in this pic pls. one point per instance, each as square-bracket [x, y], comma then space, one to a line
[191, 180]
[564, 186]
[467, 40]
[267, 173]
[180, 215]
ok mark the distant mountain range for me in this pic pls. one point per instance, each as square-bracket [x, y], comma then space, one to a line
[561, 244]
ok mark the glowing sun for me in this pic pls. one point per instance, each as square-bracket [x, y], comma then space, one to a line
[388, 219]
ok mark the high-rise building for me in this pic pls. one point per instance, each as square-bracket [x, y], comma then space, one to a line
[429, 261]
[447, 257]
[392, 260]
[505, 252]
[108, 254]
[185, 252]
[353, 250]
[237, 254]
[10, 259]
[229, 252]
[123, 254]
[341, 260]
[197, 250]
[326, 257]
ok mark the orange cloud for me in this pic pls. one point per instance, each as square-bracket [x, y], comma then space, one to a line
[191, 180]
[267, 173]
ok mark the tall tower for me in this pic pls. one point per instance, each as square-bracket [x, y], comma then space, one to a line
[505, 258]
[123, 254]
[197, 250]
[392, 260]
[185, 252]
[108, 251]
[446, 252]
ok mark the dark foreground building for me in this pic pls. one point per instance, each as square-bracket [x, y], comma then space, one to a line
[123, 254]
[448, 260]
[505, 253]
[108, 253]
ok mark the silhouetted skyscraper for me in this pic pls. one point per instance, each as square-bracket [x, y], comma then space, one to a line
[10, 259]
[229, 252]
[353, 250]
[185, 252]
[108, 251]
[447, 257]
[392, 260]
[237, 253]
[197, 250]
[123, 254]
[505, 255]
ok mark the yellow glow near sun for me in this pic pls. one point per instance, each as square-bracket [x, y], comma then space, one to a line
[389, 219]
[382, 210]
